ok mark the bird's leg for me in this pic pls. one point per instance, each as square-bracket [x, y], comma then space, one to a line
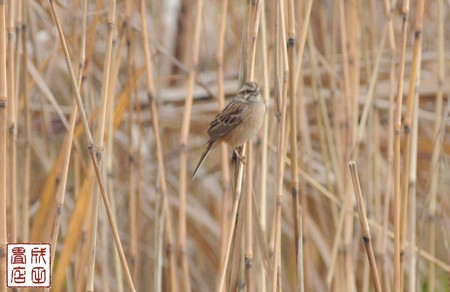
[239, 156]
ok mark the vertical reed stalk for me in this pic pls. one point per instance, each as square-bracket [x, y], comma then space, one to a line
[412, 201]
[132, 162]
[281, 146]
[165, 216]
[414, 81]
[397, 169]
[25, 226]
[3, 140]
[249, 279]
[184, 136]
[223, 147]
[293, 142]
[12, 131]
[265, 138]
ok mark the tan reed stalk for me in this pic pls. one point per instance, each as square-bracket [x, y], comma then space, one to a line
[3, 140]
[164, 206]
[437, 142]
[412, 201]
[18, 38]
[364, 226]
[100, 140]
[132, 167]
[397, 131]
[281, 146]
[91, 146]
[12, 131]
[390, 146]
[249, 278]
[25, 226]
[115, 66]
[264, 143]
[293, 143]
[184, 136]
[353, 35]
[414, 82]
[224, 223]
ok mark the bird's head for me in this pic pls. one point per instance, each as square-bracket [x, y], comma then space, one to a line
[250, 91]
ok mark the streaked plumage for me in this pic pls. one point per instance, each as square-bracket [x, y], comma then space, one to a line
[238, 122]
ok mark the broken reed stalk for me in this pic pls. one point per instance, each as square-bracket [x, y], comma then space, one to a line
[398, 275]
[184, 137]
[364, 226]
[12, 130]
[100, 140]
[164, 212]
[437, 142]
[224, 223]
[414, 81]
[3, 139]
[91, 146]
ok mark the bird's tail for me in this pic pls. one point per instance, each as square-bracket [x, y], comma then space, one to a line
[208, 149]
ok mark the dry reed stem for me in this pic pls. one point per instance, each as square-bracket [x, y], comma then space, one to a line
[12, 130]
[414, 82]
[184, 136]
[223, 147]
[25, 227]
[3, 140]
[264, 144]
[293, 142]
[412, 201]
[91, 147]
[163, 206]
[248, 256]
[364, 226]
[398, 275]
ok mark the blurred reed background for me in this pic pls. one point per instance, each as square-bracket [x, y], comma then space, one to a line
[111, 188]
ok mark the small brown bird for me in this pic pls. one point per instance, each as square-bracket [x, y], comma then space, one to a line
[238, 122]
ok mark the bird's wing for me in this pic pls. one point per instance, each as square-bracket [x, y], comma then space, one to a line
[228, 119]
